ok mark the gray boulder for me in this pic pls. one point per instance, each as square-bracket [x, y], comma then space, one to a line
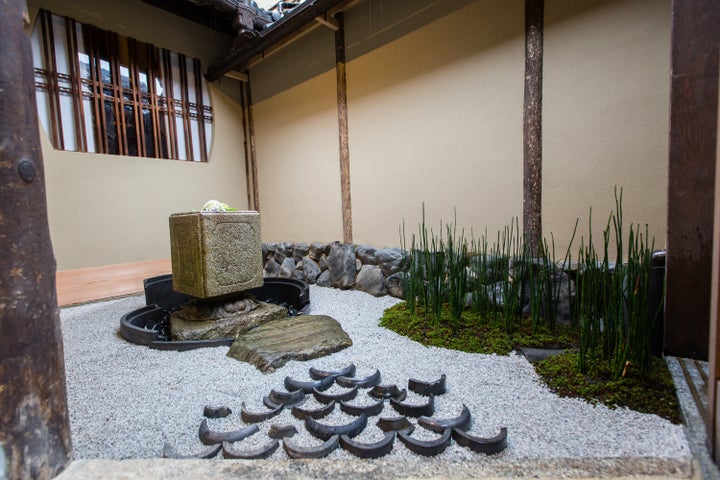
[272, 269]
[287, 268]
[394, 285]
[300, 250]
[311, 270]
[370, 280]
[279, 257]
[284, 248]
[324, 279]
[322, 262]
[318, 249]
[366, 254]
[390, 260]
[342, 266]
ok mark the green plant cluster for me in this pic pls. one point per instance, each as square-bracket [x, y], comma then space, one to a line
[650, 392]
[514, 279]
[473, 332]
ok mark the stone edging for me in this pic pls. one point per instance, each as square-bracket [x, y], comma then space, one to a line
[338, 265]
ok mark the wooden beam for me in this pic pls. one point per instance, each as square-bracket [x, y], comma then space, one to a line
[329, 22]
[241, 77]
[532, 124]
[691, 175]
[34, 422]
[343, 129]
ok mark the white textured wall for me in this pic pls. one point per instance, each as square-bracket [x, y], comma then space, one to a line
[605, 113]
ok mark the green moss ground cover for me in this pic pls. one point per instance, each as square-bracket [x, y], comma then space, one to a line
[477, 334]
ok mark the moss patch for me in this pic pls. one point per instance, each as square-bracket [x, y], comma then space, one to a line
[478, 334]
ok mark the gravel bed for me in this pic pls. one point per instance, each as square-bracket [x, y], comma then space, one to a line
[127, 401]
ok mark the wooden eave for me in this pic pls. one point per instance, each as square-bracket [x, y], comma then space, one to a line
[302, 20]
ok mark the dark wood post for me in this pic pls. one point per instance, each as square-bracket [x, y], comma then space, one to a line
[691, 175]
[34, 427]
[343, 128]
[532, 124]
[251, 171]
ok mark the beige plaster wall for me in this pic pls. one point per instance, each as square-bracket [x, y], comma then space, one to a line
[436, 118]
[296, 134]
[605, 113]
[106, 209]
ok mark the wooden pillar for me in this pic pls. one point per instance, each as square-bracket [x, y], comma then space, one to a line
[343, 129]
[691, 175]
[34, 427]
[251, 172]
[532, 123]
[713, 432]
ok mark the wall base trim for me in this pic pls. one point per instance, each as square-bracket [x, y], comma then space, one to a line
[97, 283]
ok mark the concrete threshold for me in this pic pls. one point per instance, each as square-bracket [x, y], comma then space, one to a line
[489, 468]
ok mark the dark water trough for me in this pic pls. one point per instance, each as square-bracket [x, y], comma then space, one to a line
[148, 325]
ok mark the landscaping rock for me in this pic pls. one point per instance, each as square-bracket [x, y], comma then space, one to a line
[304, 337]
[390, 260]
[322, 263]
[272, 268]
[285, 249]
[342, 265]
[370, 280]
[300, 250]
[311, 270]
[324, 279]
[209, 321]
[287, 268]
[279, 257]
[394, 284]
[366, 254]
[318, 249]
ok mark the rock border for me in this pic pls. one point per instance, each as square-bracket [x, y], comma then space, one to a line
[376, 271]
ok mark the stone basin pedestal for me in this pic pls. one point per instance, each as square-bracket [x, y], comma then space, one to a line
[215, 253]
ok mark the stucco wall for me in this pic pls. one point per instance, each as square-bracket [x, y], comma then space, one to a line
[606, 97]
[435, 116]
[298, 170]
[106, 209]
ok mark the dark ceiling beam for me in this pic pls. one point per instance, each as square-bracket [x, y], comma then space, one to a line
[208, 17]
[290, 26]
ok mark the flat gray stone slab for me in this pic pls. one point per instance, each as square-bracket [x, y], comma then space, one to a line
[221, 321]
[304, 337]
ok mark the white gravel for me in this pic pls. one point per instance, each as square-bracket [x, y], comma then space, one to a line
[126, 400]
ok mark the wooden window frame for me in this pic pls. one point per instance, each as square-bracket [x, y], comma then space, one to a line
[132, 96]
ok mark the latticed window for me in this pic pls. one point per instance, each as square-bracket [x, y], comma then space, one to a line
[101, 92]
